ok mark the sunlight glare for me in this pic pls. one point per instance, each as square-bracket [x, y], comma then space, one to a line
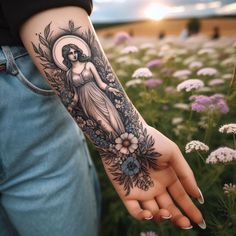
[156, 11]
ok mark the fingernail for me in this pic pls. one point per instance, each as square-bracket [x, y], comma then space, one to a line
[189, 227]
[201, 199]
[203, 224]
[148, 218]
[166, 217]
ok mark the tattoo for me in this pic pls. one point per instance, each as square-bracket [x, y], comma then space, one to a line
[77, 69]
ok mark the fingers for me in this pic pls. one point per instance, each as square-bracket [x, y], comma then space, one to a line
[136, 211]
[181, 197]
[185, 175]
[158, 214]
[164, 201]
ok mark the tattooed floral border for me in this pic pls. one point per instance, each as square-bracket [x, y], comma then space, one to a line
[129, 168]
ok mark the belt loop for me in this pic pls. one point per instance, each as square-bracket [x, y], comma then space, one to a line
[10, 63]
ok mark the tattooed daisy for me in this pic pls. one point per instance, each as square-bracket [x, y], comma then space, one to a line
[126, 143]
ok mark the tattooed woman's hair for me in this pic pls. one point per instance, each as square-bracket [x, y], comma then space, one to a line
[65, 51]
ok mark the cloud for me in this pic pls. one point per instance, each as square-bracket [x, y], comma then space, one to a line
[123, 10]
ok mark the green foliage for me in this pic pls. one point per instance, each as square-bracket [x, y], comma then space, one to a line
[160, 110]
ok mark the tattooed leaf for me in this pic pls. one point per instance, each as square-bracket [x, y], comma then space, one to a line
[35, 48]
[43, 41]
[71, 25]
[47, 31]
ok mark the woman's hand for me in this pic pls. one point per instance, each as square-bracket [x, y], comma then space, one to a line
[115, 91]
[174, 180]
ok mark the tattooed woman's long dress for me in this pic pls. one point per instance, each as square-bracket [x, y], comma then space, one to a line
[94, 101]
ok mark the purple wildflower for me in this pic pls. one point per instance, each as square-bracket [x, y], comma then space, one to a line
[121, 37]
[152, 83]
[209, 103]
[153, 63]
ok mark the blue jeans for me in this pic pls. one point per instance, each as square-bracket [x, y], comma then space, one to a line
[48, 183]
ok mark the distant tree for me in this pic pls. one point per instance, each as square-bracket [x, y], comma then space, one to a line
[193, 26]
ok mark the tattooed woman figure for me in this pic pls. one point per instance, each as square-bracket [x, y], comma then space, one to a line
[89, 89]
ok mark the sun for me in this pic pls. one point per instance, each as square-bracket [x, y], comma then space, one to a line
[156, 11]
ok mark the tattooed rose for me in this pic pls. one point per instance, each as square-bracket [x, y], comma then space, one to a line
[130, 166]
[126, 143]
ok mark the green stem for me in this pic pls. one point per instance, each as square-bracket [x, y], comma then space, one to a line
[234, 141]
[232, 81]
[199, 154]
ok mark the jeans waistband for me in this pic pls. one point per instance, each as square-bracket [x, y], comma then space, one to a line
[8, 64]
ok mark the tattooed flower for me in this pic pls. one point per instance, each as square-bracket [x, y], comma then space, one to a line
[110, 77]
[229, 188]
[144, 182]
[196, 145]
[142, 72]
[228, 128]
[130, 166]
[118, 103]
[129, 49]
[151, 233]
[207, 71]
[182, 73]
[222, 154]
[126, 143]
[81, 122]
[190, 84]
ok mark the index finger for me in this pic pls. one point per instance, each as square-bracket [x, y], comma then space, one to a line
[185, 175]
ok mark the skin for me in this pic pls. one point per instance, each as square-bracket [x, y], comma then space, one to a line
[173, 180]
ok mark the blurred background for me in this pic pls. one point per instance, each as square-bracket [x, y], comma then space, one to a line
[176, 60]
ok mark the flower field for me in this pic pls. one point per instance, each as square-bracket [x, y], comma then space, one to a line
[187, 90]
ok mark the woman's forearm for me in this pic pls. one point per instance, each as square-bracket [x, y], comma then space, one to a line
[56, 39]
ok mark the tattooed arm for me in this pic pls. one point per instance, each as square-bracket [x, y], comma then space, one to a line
[145, 167]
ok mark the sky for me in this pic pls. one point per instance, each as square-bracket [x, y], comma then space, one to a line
[127, 10]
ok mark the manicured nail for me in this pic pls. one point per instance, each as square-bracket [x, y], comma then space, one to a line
[201, 199]
[189, 227]
[148, 218]
[203, 224]
[166, 217]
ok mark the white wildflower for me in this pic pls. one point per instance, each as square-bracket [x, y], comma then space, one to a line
[214, 82]
[182, 106]
[228, 128]
[206, 51]
[195, 65]
[129, 49]
[176, 120]
[190, 84]
[133, 82]
[228, 188]
[207, 71]
[196, 145]
[142, 72]
[222, 154]
[182, 73]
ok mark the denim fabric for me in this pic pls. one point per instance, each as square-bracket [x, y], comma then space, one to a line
[48, 183]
